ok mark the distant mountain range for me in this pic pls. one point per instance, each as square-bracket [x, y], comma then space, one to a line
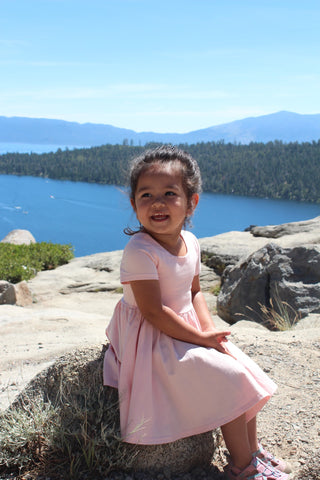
[284, 126]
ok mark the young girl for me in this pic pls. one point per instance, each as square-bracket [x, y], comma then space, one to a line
[177, 375]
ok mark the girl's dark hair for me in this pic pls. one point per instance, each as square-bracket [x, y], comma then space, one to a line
[191, 177]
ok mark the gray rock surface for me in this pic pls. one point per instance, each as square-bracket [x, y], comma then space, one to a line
[92, 273]
[7, 293]
[286, 280]
[231, 247]
[228, 248]
[19, 237]
[293, 228]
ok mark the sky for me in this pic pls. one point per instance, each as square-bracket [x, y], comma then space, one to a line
[158, 65]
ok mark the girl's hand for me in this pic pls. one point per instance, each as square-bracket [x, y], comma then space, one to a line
[215, 339]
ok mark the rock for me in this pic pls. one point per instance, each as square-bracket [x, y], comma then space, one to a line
[92, 274]
[180, 456]
[73, 384]
[286, 280]
[277, 231]
[229, 248]
[103, 262]
[226, 249]
[7, 293]
[311, 321]
[208, 278]
[19, 237]
[23, 294]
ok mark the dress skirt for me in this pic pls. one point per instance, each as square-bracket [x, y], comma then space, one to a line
[169, 389]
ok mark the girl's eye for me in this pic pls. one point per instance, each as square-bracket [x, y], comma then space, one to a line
[169, 194]
[145, 195]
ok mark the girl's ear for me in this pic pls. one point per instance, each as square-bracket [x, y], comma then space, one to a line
[133, 204]
[194, 202]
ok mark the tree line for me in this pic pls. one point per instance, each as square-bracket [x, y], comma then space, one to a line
[274, 170]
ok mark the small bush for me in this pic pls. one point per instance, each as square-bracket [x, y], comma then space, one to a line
[22, 262]
[215, 290]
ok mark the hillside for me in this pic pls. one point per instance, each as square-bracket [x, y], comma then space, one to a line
[283, 126]
[275, 170]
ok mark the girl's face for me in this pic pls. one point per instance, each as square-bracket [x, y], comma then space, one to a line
[160, 201]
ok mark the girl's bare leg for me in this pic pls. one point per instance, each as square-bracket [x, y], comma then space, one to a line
[236, 437]
[252, 434]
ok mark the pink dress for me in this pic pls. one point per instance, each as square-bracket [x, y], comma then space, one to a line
[169, 389]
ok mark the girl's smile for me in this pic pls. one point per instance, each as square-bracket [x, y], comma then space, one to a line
[158, 217]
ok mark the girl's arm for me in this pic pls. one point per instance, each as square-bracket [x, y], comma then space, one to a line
[148, 297]
[200, 306]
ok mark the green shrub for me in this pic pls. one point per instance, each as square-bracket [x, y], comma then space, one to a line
[22, 262]
[215, 290]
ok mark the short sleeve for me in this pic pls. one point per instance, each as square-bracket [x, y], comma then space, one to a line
[137, 264]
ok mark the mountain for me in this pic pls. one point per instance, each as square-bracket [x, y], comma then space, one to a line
[59, 132]
[284, 126]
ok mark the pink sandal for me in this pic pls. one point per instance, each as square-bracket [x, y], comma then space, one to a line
[256, 470]
[269, 459]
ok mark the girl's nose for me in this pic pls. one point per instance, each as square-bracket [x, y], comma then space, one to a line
[158, 201]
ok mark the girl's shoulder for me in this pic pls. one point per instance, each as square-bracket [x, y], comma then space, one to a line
[139, 241]
[190, 239]
[187, 235]
[139, 262]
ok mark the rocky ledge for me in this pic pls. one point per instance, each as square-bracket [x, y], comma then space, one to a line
[69, 308]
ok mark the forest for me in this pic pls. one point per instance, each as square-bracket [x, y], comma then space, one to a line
[279, 170]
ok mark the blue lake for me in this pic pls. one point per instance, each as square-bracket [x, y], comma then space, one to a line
[20, 147]
[92, 217]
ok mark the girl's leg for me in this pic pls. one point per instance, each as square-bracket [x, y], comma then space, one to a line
[252, 434]
[236, 437]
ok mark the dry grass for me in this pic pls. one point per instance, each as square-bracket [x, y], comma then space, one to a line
[74, 436]
[26, 434]
[279, 316]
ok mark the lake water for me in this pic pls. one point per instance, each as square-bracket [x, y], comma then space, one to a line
[19, 147]
[92, 217]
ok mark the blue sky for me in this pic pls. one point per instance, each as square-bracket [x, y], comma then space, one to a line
[158, 65]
